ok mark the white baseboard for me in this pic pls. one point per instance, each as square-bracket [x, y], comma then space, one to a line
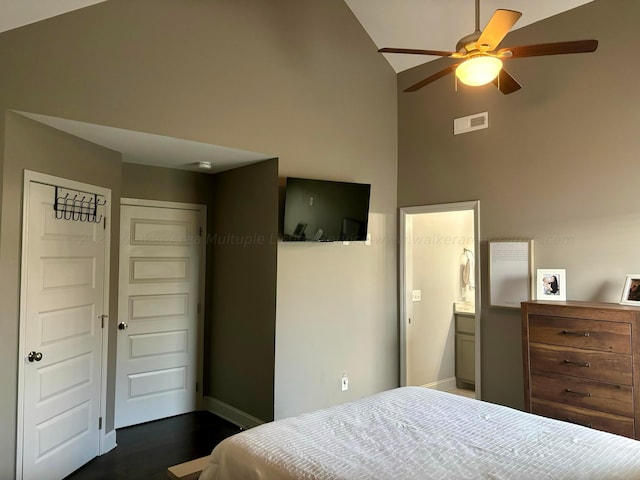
[232, 414]
[108, 442]
[444, 385]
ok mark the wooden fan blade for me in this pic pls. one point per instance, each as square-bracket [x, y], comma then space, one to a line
[432, 78]
[506, 83]
[414, 51]
[557, 48]
[497, 29]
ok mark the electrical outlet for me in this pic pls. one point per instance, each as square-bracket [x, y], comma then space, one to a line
[345, 382]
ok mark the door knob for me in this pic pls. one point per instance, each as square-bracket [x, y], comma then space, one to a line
[122, 326]
[35, 356]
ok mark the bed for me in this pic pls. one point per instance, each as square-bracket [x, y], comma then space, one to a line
[418, 433]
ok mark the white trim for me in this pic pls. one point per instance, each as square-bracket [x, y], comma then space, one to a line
[109, 442]
[439, 208]
[231, 414]
[102, 449]
[402, 288]
[478, 310]
[141, 202]
[31, 176]
[201, 300]
[444, 385]
[22, 327]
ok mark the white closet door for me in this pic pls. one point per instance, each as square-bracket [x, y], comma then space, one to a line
[63, 304]
[160, 268]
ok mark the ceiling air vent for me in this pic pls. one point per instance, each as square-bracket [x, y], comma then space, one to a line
[477, 121]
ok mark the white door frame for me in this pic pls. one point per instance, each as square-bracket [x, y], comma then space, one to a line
[107, 441]
[404, 308]
[137, 202]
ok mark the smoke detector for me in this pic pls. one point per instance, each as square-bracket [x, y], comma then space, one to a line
[203, 165]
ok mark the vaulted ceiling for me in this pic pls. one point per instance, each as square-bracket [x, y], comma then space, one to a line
[439, 24]
[426, 24]
[421, 24]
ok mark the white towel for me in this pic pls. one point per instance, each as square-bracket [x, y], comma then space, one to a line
[467, 273]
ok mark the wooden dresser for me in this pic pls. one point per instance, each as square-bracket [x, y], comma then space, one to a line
[582, 363]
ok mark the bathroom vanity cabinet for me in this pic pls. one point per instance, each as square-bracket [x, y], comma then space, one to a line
[465, 349]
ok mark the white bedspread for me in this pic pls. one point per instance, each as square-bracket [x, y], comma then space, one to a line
[418, 433]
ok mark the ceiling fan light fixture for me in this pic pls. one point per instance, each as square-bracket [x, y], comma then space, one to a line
[479, 70]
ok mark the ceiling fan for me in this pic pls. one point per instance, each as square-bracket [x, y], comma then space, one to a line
[481, 62]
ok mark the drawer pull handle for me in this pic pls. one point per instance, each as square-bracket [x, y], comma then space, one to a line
[570, 420]
[579, 364]
[578, 334]
[582, 394]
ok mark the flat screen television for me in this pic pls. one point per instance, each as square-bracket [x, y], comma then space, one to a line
[325, 211]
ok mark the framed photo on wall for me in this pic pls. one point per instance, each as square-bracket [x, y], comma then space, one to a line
[551, 284]
[631, 290]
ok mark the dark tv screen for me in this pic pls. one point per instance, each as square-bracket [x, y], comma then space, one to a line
[325, 211]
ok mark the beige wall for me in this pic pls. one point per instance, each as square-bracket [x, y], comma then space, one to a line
[242, 294]
[155, 183]
[297, 79]
[557, 164]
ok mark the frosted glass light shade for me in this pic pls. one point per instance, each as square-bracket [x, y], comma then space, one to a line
[479, 70]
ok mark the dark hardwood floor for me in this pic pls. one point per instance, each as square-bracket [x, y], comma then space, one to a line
[146, 451]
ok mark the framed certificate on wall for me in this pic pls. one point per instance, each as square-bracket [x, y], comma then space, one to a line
[510, 264]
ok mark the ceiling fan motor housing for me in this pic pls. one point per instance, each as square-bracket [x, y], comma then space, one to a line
[468, 43]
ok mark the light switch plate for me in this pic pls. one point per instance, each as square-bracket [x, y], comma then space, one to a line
[344, 382]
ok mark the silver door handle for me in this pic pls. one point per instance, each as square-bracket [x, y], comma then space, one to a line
[122, 326]
[34, 356]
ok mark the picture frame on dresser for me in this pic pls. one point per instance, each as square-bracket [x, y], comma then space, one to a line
[631, 290]
[551, 284]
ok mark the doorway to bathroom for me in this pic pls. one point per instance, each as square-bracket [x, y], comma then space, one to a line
[440, 297]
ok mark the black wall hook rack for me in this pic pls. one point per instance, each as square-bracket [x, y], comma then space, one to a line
[77, 205]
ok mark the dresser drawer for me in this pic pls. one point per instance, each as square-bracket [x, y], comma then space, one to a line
[575, 332]
[589, 418]
[579, 392]
[606, 367]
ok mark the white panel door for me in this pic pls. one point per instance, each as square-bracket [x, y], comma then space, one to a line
[160, 268]
[63, 301]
